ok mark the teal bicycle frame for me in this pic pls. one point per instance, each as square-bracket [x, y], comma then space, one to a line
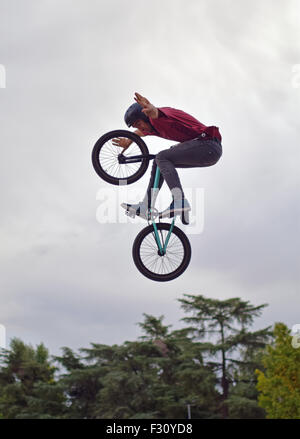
[162, 247]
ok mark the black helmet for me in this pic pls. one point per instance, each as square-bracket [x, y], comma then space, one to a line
[134, 113]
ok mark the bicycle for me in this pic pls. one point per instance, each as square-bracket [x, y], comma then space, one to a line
[162, 251]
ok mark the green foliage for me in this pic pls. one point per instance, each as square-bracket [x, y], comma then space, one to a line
[208, 365]
[279, 383]
[242, 401]
[80, 383]
[24, 373]
[230, 348]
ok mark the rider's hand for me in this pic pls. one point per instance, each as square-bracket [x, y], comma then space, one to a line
[148, 108]
[122, 142]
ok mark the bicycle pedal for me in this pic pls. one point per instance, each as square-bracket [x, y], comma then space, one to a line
[130, 214]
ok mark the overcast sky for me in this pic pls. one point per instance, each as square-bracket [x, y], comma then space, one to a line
[72, 67]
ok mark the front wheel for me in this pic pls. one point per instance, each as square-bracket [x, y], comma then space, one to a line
[114, 166]
[151, 263]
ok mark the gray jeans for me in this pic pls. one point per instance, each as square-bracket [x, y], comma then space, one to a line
[193, 153]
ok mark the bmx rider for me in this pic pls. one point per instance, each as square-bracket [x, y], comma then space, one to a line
[199, 146]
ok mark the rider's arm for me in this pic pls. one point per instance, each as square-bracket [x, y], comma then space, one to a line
[124, 142]
[139, 133]
[149, 109]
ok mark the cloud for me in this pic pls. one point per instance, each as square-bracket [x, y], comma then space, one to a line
[72, 68]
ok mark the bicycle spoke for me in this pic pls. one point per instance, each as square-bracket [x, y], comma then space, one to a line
[108, 159]
[170, 261]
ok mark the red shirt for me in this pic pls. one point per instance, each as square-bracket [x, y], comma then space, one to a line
[177, 125]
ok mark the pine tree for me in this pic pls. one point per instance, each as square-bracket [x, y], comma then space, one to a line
[224, 324]
[127, 379]
[80, 382]
[184, 380]
[24, 374]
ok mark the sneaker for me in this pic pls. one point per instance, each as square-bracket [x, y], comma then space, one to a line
[177, 207]
[138, 209]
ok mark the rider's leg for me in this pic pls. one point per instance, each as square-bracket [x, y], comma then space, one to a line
[151, 194]
[193, 153]
[140, 209]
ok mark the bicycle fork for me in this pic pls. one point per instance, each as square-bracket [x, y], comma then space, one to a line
[162, 246]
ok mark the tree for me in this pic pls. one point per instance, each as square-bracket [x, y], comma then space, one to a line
[226, 324]
[279, 383]
[242, 401]
[81, 383]
[184, 379]
[208, 365]
[130, 381]
[154, 377]
[24, 374]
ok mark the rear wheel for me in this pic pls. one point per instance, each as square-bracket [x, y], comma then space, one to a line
[151, 263]
[107, 158]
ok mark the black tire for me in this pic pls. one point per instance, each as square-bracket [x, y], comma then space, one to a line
[151, 264]
[105, 158]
